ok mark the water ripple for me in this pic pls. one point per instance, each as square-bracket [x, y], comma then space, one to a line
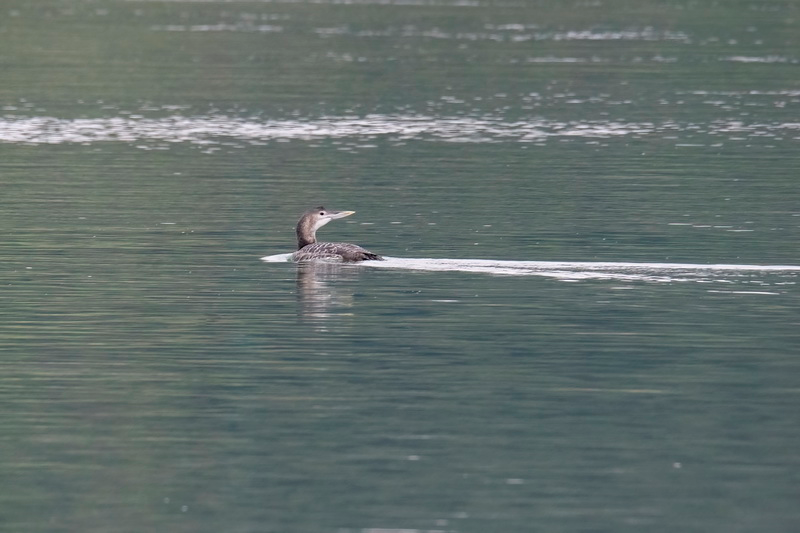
[239, 27]
[204, 130]
[760, 59]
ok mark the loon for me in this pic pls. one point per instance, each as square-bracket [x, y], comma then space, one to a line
[308, 249]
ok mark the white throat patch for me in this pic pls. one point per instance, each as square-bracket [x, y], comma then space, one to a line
[321, 222]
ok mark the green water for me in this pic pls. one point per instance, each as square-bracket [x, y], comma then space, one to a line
[157, 376]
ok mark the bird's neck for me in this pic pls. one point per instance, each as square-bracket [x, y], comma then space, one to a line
[305, 234]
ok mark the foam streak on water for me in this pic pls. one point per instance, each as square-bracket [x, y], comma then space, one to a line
[580, 270]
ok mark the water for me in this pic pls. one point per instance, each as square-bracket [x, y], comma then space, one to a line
[566, 271]
[588, 319]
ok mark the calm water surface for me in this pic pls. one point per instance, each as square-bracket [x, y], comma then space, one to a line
[552, 345]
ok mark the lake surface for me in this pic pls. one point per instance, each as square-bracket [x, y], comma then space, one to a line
[588, 320]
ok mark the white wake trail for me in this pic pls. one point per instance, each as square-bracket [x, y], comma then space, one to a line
[576, 270]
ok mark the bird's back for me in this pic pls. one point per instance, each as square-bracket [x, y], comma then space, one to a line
[334, 251]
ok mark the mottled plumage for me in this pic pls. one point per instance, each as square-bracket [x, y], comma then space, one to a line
[308, 249]
[334, 251]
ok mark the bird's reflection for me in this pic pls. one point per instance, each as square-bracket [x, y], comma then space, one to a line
[324, 289]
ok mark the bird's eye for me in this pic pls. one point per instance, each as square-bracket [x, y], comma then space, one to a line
[322, 213]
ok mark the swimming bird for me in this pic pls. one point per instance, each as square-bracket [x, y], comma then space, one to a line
[308, 249]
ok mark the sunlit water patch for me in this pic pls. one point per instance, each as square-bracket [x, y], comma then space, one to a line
[218, 129]
[221, 27]
[515, 33]
[760, 59]
[431, 3]
[753, 276]
[506, 33]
